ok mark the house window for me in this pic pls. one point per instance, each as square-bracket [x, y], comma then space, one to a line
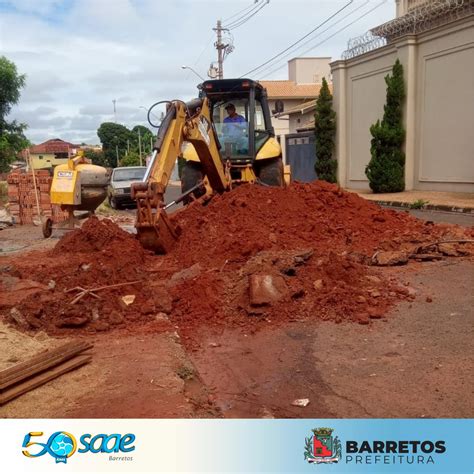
[40, 157]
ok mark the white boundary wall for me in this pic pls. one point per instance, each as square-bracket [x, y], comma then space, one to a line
[439, 112]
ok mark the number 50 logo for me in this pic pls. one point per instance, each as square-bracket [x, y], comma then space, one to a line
[60, 445]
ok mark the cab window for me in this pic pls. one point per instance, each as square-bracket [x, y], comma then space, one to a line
[261, 133]
[231, 119]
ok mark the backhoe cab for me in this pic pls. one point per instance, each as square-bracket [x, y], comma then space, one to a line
[246, 139]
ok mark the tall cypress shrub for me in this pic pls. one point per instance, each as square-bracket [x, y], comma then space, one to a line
[325, 132]
[386, 168]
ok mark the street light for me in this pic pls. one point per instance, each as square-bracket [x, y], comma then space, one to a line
[191, 69]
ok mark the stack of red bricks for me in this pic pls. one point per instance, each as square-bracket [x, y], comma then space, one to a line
[22, 198]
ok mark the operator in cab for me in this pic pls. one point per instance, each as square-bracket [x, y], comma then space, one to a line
[235, 127]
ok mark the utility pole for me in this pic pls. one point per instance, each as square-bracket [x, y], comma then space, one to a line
[116, 140]
[115, 110]
[224, 48]
[140, 146]
[219, 46]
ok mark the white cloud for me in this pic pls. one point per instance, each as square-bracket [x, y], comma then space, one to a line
[79, 55]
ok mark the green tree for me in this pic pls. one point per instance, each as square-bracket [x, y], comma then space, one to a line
[12, 138]
[146, 136]
[115, 139]
[131, 159]
[325, 132]
[386, 168]
[97, 158]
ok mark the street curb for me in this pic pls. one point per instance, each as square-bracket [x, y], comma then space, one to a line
[427, 207]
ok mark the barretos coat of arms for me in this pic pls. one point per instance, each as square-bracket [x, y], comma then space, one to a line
[322, 447]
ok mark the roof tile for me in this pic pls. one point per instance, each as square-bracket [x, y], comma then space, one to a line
[54, 145]
[290, 89]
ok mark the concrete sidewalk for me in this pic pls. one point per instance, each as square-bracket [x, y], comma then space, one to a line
[433, 200]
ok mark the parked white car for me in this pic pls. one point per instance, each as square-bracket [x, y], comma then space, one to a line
[119, 191]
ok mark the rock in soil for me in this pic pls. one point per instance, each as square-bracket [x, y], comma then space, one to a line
[266, 289]
[390, 258]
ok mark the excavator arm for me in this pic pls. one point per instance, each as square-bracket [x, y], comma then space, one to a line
[189, 122]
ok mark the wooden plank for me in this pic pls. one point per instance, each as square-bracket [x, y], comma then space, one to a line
[34, 364]
[20, 389]
[40, 362]
[41, 365]
[44, 355]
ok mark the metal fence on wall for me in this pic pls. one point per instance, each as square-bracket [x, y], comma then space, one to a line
[423, 17]
[301, 156]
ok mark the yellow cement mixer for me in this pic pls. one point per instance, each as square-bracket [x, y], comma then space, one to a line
[77, 185]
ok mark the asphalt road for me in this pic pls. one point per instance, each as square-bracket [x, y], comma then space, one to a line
[465, 220]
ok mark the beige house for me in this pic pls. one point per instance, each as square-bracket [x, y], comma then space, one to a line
[304, 82]
[434, 40]
[301, 118]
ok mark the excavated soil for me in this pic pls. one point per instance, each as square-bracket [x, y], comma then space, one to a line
[104, 237]
[319, 215]
[314, 241]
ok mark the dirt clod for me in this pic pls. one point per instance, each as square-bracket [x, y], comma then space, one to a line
[390, 258]
[266, 289]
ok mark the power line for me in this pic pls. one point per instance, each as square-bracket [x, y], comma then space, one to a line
[208, 43]
[243, 17]
[256, 4]
[225, 46]
[334, 34]
[299, 41]
[270, 66]
[246, 19]
[240, 11]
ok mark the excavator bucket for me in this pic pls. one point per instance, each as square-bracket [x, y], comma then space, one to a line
[158, 236]
[153, 225]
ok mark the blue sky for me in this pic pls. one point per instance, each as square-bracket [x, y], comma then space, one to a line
[79, 55]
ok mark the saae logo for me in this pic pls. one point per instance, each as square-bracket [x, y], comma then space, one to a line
[322, 447]
[61, 445]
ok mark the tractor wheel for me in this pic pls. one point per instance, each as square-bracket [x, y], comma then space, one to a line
[47, 228]
[190, 176]
[271, 172]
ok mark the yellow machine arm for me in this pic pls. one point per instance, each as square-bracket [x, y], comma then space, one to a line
[183, 122]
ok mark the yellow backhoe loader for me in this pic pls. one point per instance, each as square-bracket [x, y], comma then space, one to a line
[225, 137]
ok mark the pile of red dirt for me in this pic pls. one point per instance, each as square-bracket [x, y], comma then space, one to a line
[319, 215]
[102, 236]
[313, 240]
[333, 287]
[255, 230]
[100, 254]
